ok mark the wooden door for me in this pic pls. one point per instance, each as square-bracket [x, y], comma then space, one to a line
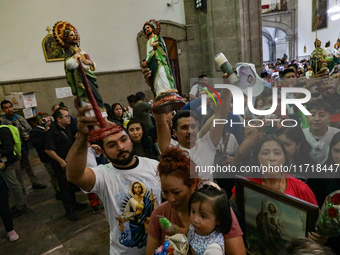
[171, 46]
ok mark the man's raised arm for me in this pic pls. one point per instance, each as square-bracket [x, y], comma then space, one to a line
[163, 132]
[76, 170]
[221, 112]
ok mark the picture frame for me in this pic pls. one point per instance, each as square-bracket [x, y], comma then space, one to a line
[52, 50]
[319, 14]
[270, 218]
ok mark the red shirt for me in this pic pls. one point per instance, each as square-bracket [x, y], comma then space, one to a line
[295, 188]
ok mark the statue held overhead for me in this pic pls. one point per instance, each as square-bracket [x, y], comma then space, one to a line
[79, 71]
[317, 56]
[161, 81]
[68, 38]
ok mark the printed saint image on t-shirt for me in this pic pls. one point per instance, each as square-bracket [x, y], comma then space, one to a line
[138, 205]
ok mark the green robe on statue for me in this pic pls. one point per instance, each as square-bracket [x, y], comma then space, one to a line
[161, 77]
[74, 79]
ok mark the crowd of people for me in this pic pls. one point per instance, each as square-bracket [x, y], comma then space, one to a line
[146, 170]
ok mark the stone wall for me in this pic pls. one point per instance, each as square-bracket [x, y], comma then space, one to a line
[232, 27]
[229, 26]
[114, 87]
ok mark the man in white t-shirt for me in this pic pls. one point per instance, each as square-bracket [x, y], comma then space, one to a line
[185, 128]
[195, 90]
[128, 185]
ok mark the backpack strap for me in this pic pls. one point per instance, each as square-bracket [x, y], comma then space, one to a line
[16, 137]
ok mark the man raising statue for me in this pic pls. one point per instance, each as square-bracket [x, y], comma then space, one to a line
[161, 81]
[67, 36]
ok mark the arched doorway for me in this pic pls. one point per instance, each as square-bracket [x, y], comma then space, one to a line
[175, 37]
[282, 23]
[275, 44]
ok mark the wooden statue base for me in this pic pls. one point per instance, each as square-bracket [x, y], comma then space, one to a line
[167, 102]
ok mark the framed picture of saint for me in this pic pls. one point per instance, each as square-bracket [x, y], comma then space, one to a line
[52, 50]
[319, 14]
[270, 218]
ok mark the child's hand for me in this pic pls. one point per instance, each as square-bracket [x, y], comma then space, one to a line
[167, 225]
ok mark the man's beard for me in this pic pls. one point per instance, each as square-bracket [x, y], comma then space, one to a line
[10, 114]
[73, 42]
[149, 34]
[122, 162]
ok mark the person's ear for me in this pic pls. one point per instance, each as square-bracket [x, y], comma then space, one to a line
[174, 132]
[104, 154]
[102, 151]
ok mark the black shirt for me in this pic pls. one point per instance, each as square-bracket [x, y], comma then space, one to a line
[59, 140]
[37, 138]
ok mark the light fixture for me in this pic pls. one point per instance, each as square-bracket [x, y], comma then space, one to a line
[334, 11]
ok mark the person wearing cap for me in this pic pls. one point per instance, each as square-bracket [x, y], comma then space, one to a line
[116, 183]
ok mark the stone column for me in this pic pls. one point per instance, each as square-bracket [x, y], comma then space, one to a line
[251, 32]
[233, 27]
[272, 51]
[291, 47]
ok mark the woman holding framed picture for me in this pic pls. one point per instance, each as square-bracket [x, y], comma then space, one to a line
[270, 154]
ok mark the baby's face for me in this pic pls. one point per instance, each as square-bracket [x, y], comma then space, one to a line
[203, 218]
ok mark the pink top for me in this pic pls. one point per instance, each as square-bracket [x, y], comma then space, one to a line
[155, 230]
[295, 188]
